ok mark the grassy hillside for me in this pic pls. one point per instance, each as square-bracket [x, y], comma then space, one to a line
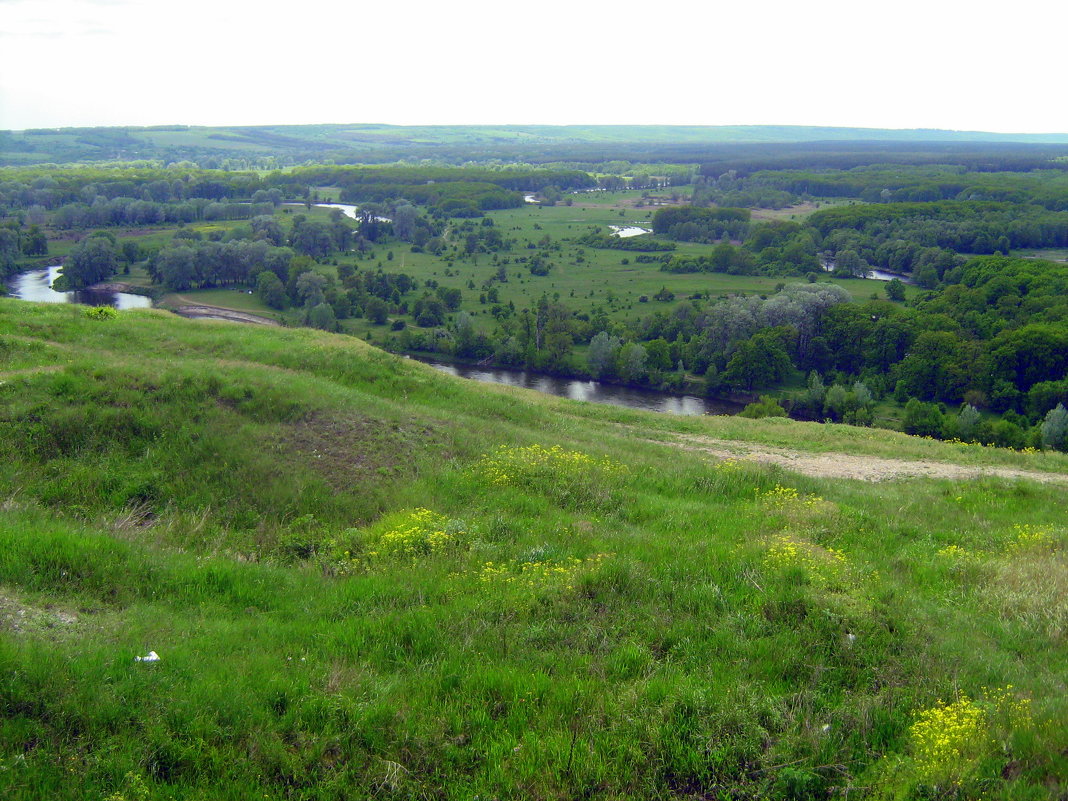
[366, 579]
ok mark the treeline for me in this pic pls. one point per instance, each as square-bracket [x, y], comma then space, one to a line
[452, 189]
[189, 261]
[455, 199]
[642, 244]
[902, 184]
[18, 241]
[515, 180]
[128, 211]
[916, 156]
[693, 224]
[50, 187]
[992, 343]
[731, 191]
[924, 239]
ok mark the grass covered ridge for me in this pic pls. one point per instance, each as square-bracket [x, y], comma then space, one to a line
[367, 579]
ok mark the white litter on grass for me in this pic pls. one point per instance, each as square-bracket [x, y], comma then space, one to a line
[151, 657]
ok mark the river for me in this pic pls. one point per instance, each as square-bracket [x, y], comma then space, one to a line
[873, 275]
[347, 209]
[625, 231]
[591, 391]
[36, 285]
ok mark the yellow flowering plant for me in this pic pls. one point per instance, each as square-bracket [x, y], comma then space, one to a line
[564, 474]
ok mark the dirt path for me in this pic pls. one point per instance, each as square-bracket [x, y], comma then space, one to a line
[218, 313]
[856, 466]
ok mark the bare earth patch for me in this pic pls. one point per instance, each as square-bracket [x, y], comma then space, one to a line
[22, 618]
[802, 209]
[857, 466]
[218, 313]
[343, 449]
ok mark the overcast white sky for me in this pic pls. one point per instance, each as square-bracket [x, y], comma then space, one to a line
[966, 65]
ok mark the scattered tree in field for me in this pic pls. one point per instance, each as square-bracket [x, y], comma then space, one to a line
[376, 311]
[310, 289]
[895, 290]
[968, 423]
[1055, 429]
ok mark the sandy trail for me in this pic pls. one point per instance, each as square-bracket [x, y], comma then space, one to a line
[217, 313]
[856, 466]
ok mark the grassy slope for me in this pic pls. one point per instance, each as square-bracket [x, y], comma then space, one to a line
[235, 499]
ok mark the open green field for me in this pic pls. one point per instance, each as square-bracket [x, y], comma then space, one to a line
[365, 579]
[1053, 254]
[600, 281]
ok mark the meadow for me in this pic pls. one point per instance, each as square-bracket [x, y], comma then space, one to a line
[609, 281]
[365, 579]
[601, 280]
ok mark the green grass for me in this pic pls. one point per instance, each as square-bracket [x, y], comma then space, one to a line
[600, 282]
[239, 500]
[1053, 254]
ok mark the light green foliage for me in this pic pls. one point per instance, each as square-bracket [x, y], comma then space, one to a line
[766, 407]
[1055, 428]
[100, 313]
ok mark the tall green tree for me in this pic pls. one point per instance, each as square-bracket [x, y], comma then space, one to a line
[761, 360]
[92, 260]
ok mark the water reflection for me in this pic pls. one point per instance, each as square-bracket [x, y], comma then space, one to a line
[36, 285]
[592, 391]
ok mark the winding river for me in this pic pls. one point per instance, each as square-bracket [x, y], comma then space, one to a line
[36, 285]
[591, 391]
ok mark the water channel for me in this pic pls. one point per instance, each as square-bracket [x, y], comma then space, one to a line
[591, 391]
[36, 285]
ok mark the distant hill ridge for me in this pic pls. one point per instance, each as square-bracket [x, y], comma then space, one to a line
[379, 141]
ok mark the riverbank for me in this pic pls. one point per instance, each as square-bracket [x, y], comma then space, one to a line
[584, 388]
[219, 313]
[128, 288]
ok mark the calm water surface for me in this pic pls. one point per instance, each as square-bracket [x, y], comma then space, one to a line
[36, 285]
[591, 391]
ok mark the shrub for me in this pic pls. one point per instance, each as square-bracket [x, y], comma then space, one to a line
[101, 313]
